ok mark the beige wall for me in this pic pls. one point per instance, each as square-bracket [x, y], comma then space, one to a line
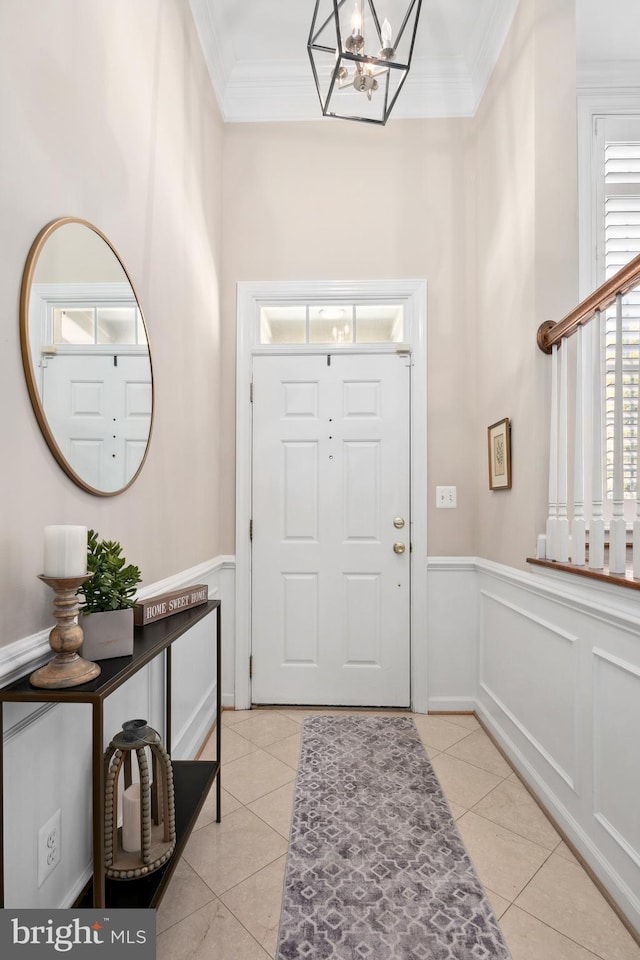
[108, 114]
[334, 200]
[486, 211]
[526, 215]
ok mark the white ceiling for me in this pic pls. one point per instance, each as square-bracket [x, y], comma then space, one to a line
[256, 53]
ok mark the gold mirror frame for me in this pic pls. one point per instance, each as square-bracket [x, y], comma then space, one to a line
[27, 361]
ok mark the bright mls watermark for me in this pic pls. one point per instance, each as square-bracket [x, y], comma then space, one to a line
[79, 934]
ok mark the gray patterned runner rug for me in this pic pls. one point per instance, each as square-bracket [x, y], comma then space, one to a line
[376, 867]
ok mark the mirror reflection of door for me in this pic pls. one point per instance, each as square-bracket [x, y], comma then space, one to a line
[99, 408]
[94, 378]
[86, 356]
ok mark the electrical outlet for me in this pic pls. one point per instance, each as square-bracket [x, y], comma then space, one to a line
[446, 498]
[49, 847]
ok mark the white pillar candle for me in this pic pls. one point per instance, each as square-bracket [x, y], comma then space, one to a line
[131, 841]
[65, 551]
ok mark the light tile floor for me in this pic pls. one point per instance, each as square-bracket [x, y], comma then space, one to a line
[224, 898]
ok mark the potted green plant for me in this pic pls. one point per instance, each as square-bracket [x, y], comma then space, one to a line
[108, 597]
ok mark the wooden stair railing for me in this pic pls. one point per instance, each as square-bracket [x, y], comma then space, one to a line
[565, 542]
[552, 331]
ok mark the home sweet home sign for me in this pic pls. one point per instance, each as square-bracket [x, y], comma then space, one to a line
[166, 604]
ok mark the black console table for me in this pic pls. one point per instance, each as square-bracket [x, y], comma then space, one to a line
[192, 778]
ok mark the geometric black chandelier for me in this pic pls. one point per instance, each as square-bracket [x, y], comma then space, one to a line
[360, 53]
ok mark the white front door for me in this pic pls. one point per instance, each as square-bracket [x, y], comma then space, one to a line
[331, 529]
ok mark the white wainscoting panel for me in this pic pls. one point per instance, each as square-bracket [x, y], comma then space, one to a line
[578, 645]
[517, 649]
[616, 753]
[557, 684]
[551, 665]
[225, 579]
[193, 683]
[47, 766]
[452, 633]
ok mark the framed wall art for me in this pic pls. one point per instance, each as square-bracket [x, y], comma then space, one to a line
[499, 437]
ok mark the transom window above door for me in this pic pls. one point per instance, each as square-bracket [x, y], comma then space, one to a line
[95, 324]
[334, 324]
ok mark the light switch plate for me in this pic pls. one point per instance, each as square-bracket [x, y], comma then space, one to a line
[446, 498]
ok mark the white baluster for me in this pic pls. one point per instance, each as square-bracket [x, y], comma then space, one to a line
[618, 534]
[552, 519]
[578, 526]
[636, 522]
[596, 527]
[562, 543]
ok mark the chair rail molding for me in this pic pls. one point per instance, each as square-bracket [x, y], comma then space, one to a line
[20, 654]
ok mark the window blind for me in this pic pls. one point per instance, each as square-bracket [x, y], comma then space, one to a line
[622, 244]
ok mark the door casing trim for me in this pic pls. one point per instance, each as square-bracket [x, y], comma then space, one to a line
[252, 295]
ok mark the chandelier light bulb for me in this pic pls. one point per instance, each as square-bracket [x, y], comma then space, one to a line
[356, 19]
[355, 41]
[386, 33]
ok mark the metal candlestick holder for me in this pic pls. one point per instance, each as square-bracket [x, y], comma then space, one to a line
[68, 668]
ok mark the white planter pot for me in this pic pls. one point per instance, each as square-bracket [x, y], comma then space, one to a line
[108, 634]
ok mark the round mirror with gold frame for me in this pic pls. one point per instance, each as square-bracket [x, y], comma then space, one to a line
[85, 352]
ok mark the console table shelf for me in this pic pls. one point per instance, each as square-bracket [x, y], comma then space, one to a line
[192, 778]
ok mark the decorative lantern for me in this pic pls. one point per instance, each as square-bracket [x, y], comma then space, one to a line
[147, 837]
[360, 52]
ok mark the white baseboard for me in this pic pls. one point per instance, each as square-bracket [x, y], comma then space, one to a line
[621, 893]
[77, 888]
[452, 705]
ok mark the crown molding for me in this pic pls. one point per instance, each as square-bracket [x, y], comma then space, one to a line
[619, 75]
[254, 91]
[491, 32]
[436, 89]
[261, 90]
[216, 47]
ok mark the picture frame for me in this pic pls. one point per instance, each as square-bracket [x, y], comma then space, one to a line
[499, 441]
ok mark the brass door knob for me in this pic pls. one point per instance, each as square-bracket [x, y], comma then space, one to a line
[399, 548]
